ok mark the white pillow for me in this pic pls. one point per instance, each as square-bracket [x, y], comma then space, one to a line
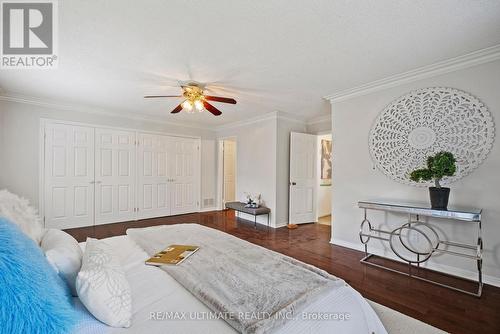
[64, 254]
[18, 211]
[102, 286]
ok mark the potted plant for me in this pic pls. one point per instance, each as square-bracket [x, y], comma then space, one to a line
[438, 166]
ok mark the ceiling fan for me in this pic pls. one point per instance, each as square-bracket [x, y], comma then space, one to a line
[195, 99]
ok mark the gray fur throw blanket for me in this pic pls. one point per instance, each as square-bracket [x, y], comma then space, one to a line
[255, 289]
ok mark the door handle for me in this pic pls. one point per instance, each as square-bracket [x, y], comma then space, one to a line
[293, 183]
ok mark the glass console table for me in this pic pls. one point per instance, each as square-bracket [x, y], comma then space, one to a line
[405, 248]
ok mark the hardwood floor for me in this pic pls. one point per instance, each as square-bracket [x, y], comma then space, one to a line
[443, 308]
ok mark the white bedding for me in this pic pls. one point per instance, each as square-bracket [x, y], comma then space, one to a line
[153, 290]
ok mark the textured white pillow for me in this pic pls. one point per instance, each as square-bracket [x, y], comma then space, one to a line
[102, 286]
[64, 254]
[17, 210]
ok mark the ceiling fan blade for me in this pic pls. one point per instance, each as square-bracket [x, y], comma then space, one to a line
[211, 108]
[154, 96]
[177, 109]
[220, 99]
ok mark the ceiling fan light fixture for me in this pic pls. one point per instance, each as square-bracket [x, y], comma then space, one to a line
[188, 105]
[196, 100]
[198, 104]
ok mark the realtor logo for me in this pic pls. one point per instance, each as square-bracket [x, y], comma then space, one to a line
[29, 36]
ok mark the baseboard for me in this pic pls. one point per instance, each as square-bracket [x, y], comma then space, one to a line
[487, 279]
[209, 209]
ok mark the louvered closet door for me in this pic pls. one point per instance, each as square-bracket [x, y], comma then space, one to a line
[115, 168]
[185, 175]
[69, 176]
[153, 176]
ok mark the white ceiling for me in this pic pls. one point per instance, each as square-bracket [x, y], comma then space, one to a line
[278, 55]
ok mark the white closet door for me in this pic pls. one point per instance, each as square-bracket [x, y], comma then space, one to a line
[69, 176]
[115, 163]
[185, 175]
[153, 176]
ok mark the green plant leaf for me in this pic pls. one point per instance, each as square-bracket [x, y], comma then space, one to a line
[438, 166]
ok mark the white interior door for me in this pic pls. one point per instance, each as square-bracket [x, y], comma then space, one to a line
[229, 171]
[153, 178]
[302, 178]
[185, 177]
[69, 176]
[115, 162]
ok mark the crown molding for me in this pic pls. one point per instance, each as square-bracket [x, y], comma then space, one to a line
[255, 119]
[450, 65]
[92, 110]
[24, 99]
[320, 119]
[265, 117]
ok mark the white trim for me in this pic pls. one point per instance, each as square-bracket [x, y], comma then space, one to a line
[41, 170]
[200, 196]
[320, 119]
[213, 208]
[58, 121]
[256, 119]
[291, 117]
[280, 225]
[265, 117]
[31, 100]
[495, 281]
[93, 110]
[453, 64]
[220, 162]
[220, 169]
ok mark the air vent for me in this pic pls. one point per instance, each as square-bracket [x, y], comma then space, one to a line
[208, 202]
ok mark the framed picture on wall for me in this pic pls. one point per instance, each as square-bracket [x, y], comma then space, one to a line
[326, 162]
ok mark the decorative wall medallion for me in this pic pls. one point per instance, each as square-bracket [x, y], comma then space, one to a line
[427, 121]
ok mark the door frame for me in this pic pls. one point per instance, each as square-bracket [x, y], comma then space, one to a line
[318, 134]
[220, 169]
[41, 155]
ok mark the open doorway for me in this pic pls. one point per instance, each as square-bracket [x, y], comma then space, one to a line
[324, 179]
[227, 170]
[310, 193]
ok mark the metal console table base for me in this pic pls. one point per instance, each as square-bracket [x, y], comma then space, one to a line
[412, 211]
[478, 292]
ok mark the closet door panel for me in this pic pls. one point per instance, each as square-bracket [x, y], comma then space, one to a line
[152, 177]
[69, 176]
[185, 178]
[115, 168]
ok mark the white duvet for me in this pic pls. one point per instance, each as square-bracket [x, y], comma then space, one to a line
[161, 305]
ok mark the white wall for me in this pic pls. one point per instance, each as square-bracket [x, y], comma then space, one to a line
[20, 132]
[263, 150]
[209, 174]
[355, 178]
[324, 200]
[256, 162]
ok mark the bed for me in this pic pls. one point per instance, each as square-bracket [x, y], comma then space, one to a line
[162, 305]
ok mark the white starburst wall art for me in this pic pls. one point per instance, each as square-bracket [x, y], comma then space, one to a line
[426, 121]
